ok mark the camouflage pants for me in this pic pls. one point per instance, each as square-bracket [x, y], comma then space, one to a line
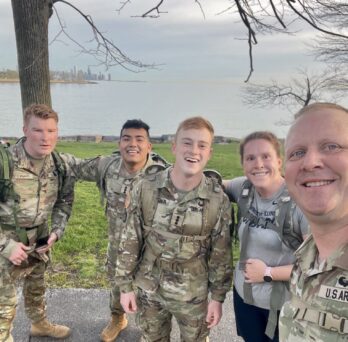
[33, 292]
[115, 306]
[155, 312]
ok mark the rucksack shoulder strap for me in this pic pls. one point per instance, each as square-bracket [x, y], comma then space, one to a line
[244, 200]
[212, 205]
[61, 169]
[6, 171]
[5, 163]
[213, 174]
[149, 197]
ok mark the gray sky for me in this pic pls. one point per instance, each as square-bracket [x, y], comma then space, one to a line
[182, 42]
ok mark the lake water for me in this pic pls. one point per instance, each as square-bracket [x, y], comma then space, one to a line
[102, 108]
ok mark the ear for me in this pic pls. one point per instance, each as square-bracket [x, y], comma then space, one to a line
[210, 153]
[149, 147]
[25, 130]
[173, 148]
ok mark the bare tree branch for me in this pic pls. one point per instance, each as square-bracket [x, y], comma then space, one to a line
[311, 20]
[154, 9]
[272, 16]
[105, 52]
[328, 85]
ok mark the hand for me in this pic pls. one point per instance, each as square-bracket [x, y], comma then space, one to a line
[128, 302]
[19, 254]
[50, 242]
[254, 271]
[214, 313]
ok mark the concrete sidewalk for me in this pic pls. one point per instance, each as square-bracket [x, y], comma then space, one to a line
[87, 312]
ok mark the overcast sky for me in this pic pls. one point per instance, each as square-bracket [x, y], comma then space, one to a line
[182, 42]
[186, 46]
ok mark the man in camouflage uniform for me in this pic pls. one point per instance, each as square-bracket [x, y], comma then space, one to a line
[316, 172]
[40, 190]
[176, 245]
[115, 176]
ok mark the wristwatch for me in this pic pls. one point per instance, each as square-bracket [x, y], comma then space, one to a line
[267, 277]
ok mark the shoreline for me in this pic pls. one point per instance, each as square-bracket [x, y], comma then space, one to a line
[16, 80]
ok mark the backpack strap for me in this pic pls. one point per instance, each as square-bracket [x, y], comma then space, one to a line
[7, 190]
[244, 202]
[6, 169]
[213, 205]
[150, 195]
[61, 169]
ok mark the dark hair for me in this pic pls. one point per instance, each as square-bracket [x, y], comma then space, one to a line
[40, 111]
[137, 124]
[265, 135]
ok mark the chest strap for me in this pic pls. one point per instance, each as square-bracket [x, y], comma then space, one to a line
[169, 235]
[325, 320]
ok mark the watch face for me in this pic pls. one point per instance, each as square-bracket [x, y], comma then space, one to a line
[267, 278]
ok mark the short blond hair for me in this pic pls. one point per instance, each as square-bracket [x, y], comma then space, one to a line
[317, 106]
[40, 111]
[196, 122]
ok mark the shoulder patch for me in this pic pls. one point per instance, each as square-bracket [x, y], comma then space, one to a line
[214, 175]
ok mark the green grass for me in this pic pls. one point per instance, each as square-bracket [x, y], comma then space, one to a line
[78, 259]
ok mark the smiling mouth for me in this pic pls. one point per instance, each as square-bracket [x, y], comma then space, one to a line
[317, 183]
[260, 174]
[191, 160]
[132, 152]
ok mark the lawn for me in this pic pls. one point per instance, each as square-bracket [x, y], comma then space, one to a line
[78, 259]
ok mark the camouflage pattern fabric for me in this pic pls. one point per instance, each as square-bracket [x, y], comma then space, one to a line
[38, 202]
[175, 254]
[318, 309]
[114, 184]
[155, 312]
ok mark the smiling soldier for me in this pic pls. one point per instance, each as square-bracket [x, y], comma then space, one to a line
[316, 173]
[115, 176]
[175, 247]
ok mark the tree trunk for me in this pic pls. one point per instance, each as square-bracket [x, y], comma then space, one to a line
[31, 27]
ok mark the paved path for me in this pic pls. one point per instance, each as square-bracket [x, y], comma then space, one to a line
[87, 312]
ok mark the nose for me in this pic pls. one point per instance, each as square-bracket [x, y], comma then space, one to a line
[311, 160]
[258, 162]
[45, 135]
[194, 149]
[132, 141]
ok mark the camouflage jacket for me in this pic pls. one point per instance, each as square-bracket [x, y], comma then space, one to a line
[38, 196]
[106, 172]
[167, 238]
[318, 309]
